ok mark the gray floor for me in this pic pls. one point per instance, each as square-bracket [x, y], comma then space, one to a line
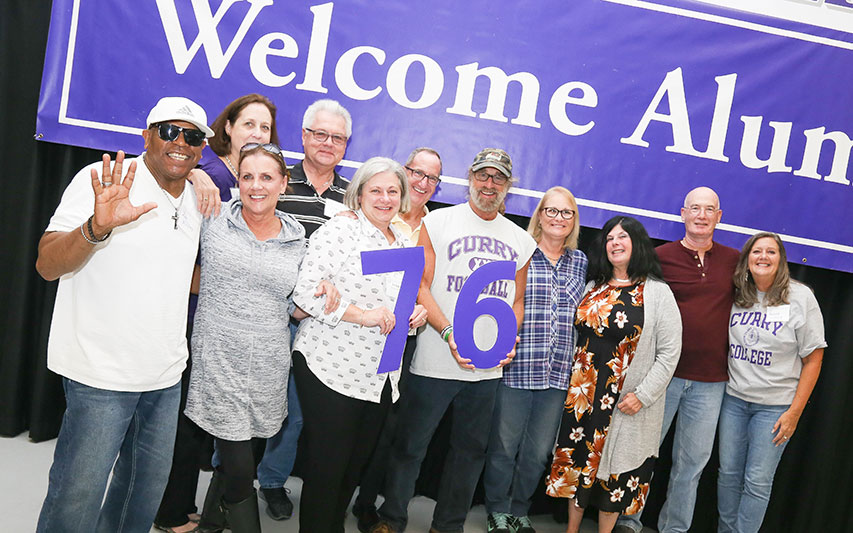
[24, 483]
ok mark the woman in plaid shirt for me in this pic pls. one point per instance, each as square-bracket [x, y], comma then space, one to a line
[530, 398]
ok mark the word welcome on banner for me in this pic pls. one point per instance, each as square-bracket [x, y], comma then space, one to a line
[628, 103]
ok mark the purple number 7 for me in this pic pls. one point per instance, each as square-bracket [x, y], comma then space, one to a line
[411, 262]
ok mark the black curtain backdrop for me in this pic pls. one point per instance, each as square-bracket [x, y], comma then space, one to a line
[812, 487]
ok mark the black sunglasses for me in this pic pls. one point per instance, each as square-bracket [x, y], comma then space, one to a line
[169, 132]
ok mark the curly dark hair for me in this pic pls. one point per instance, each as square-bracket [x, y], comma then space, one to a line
[644, 261]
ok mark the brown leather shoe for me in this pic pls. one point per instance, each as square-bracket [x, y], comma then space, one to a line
[383, 527]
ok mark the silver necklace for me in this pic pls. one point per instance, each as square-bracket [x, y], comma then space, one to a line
[325, 185]
[231, 166]
[176, 208]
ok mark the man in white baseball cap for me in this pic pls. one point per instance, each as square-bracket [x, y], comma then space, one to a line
[122, 243]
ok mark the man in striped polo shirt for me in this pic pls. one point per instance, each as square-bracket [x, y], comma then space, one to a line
[315, 194]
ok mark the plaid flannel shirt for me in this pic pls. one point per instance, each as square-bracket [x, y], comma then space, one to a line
[544, 356]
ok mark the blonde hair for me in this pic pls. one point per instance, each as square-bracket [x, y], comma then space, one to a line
[534, 229]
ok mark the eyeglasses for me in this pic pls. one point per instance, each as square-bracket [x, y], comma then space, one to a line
[320, 136]
[268, 147]
[420, 174]
[708, 210]
[497, 179]
[551, 212]
[169, 132]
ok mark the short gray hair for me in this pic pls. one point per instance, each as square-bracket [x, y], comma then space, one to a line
[416, 151]
[370, 168]
[329, 106]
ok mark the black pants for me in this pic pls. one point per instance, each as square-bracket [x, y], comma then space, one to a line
[237, 464]
[373, 476]
[193, 447]
[340, 433]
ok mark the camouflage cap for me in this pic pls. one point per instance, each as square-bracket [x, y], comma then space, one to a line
[495, 158]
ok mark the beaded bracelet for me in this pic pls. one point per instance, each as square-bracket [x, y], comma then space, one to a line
[91, 239]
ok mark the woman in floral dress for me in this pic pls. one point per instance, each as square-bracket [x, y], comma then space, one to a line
[629, 341]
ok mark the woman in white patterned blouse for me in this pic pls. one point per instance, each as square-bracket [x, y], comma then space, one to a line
[336, 356]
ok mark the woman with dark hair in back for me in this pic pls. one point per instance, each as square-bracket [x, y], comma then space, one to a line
[248, 119]
[629, 341]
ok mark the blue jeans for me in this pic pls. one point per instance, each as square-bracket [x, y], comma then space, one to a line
[524, 427]
[698, 406]
[98, 426]
[423, 407]
[748, 461]
[280, 451]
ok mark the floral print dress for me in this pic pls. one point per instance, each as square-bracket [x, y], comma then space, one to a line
[609, 321]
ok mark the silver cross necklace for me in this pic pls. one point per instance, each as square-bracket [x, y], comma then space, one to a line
[175, 207]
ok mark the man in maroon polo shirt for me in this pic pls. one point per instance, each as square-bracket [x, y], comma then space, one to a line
[699, 272]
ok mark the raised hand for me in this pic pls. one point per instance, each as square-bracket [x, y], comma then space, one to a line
[112, 201]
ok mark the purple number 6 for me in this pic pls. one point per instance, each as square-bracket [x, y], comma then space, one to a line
[411, 262]
[468, 309]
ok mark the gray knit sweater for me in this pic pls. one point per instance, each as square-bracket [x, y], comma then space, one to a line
[241, 339]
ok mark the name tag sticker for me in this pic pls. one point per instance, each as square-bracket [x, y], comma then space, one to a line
[779, 313]
[333, 208]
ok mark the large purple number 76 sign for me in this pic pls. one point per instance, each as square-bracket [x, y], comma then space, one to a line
[410, 261]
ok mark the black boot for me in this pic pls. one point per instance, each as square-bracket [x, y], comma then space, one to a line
[212, 518]
[244, 516]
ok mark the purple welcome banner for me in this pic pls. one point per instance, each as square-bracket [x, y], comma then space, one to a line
[628, 103]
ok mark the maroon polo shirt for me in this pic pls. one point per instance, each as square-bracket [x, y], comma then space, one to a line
[704, 292]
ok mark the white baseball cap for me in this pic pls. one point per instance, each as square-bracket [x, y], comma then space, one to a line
[179, 108]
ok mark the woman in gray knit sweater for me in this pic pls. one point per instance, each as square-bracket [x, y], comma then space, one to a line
[250, 257]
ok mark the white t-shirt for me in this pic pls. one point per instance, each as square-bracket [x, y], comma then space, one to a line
[463, 242]
[767, 344]
[119, 321]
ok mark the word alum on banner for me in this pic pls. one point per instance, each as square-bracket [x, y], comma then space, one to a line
[672, 88]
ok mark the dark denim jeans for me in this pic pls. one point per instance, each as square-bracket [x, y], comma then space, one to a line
[98, 426]
[423, 407]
